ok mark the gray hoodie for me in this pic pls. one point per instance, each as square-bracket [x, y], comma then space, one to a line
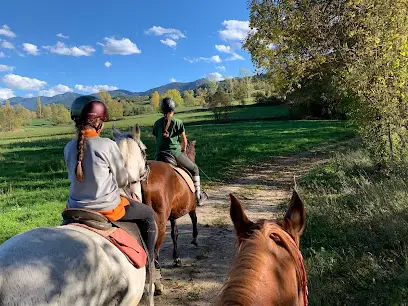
[104, 174]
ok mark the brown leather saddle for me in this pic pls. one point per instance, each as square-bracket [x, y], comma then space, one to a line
[169, 158]
[98, 221]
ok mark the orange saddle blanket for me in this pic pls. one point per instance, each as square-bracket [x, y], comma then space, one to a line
[125, 242]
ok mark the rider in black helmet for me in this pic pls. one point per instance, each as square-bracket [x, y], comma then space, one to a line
[171, 138]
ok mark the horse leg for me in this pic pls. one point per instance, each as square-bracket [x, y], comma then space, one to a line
[159, 288]
[174, 236]
[193, 217]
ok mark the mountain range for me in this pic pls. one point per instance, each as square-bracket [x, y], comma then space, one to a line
[69, 97]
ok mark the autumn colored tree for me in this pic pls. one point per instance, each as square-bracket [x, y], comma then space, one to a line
[155, 100]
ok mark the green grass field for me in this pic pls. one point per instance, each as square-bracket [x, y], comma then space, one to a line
[355, 243]
[33, 179]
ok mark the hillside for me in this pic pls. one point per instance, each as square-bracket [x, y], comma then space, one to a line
[69, 97]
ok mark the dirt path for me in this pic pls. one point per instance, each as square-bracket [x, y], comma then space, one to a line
[264, 191]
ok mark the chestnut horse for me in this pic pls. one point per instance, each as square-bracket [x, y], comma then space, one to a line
[268, 269]
[171, 198]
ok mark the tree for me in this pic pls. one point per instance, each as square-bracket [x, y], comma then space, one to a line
[201, 96]
[240, 91]
[60, 114]
[359, 47]
[22, 114]
[8, 118]
[175, 95]
[155, 100]
[39, 111]
[115, 108]
[212, 85]
[46, 111]
[220, 103]
[188, 97]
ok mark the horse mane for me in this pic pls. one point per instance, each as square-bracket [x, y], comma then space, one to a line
[251, 259]
[130, 149]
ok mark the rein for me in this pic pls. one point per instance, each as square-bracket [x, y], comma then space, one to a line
[303, 280]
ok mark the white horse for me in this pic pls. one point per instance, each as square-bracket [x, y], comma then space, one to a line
[134, 156]
[70, 265]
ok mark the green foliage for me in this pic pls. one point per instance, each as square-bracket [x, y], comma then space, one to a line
[23, 114]
[175, 95]
[201, 96]
[9, 121]
[155, 100]
[115, 108]
[355, 245]
[220, 104]
[60, 114]
[46, 111]
[188, 97]
[360, 46]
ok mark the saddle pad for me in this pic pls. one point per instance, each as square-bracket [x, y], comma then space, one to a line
[126, 243]
[186, 177]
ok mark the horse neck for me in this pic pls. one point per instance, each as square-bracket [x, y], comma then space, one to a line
[264, 273]
[133, 158]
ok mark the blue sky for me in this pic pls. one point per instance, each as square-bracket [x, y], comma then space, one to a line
[133, 45]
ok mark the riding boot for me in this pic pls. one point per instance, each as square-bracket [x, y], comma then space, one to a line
[200, 196]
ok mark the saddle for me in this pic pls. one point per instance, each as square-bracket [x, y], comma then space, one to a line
[125, 236]
[183, 172]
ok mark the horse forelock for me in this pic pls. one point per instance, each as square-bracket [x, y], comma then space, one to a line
[251, 262]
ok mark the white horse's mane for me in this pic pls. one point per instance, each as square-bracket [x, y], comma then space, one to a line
[133, 153]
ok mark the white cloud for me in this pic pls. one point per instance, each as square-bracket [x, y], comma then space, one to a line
[216, 76]
[122, 46]
[234, 30]
[234, 57]
[56, 90]
[220, 68]
[6, 93]
[223, 48]
[212, 59]
[6, 31]
[23, 83]
[94, 88]
[30, 95]
[108, 64]
[5, 68]
[6, 44]
[61, 49]
[160, 31]
[2, 54]
[173, 80]
[168, 42]
[60, 35]
[30, 49]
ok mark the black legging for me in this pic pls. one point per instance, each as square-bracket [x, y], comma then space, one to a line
[184, 161]
[143, 215]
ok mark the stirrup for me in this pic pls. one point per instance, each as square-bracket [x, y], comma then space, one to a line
[203, 198]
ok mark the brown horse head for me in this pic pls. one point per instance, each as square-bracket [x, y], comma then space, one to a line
[268, 269]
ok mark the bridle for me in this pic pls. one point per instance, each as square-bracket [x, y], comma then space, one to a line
[303, 277]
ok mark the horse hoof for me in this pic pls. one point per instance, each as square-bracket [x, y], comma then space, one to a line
[194, 242]
[158, 288]
[177, 262]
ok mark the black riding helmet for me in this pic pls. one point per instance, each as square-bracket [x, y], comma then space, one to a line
[167, 105]
[88, 107]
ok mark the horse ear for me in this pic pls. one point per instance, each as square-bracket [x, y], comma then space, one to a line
[295, 217]
[136, 132]
[115, 132]
[241, 222]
